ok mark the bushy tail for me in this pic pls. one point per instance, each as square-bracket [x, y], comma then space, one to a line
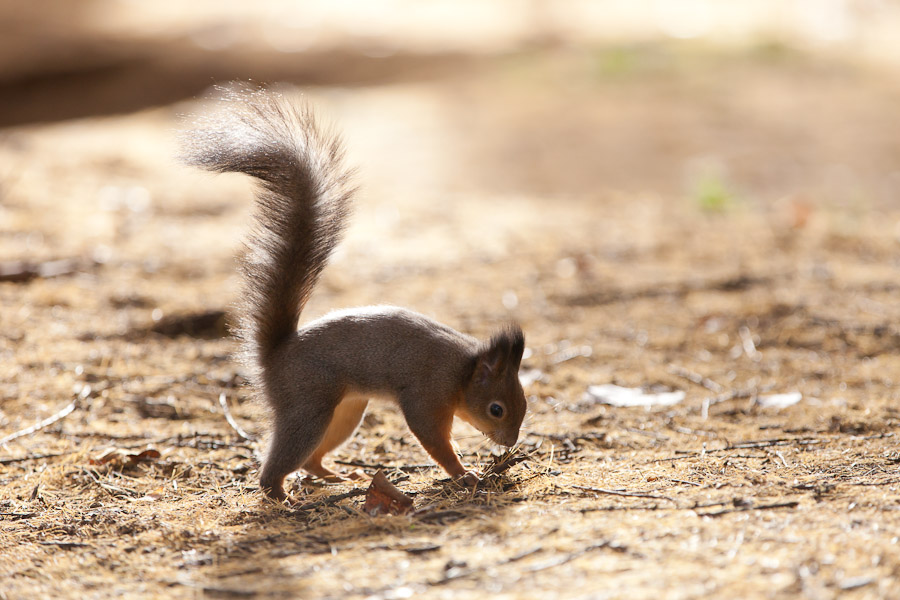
[301, 205]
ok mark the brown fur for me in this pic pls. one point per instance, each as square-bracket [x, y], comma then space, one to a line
[318, 380]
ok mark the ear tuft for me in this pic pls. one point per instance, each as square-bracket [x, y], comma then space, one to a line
[504, 349]
[518, 345]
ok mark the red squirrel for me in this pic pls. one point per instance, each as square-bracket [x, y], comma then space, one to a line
[318, 380]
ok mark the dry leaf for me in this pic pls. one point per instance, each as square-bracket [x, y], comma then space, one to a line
[149, 454]
[383, 498]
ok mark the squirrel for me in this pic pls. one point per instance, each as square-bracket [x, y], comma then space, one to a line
[318, 379]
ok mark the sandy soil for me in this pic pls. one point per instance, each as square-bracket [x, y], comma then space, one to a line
[657, 217]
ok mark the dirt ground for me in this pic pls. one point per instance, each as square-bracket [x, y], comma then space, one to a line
[659, 216]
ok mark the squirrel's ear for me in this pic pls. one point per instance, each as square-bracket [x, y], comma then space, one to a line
[488, 364]
[517, 347]
[504, 351]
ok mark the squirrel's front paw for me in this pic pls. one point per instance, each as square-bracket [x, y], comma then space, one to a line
[470, 479]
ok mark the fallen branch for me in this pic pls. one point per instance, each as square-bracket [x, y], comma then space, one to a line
[223, 402]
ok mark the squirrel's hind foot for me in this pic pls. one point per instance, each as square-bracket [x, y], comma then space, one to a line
[315, 468]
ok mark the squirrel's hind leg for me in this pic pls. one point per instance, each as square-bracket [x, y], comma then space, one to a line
[346, 419]
[294, 439]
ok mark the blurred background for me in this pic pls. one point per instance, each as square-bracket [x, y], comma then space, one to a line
[605, 132]
[762, 96]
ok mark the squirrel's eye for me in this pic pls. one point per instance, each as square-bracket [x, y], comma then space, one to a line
[496, 410]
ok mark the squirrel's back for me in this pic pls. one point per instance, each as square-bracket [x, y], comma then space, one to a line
[301, 208]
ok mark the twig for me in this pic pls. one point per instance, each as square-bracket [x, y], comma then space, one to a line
[725, 511]
[684, 481]
[110, 489]
[877, 436]
[27, 457]
[503, 463]
[621, 493]
[630, 508]
[67, 410]
[767, 443]
[737, 395]
[191, 441]
[377, 466]
[522, 555]
[733, 395]
[649, 434]
[783, 460]
[555, 562]
[330, 500]
[455, 573]
[16, 515]
[223, 402]
[673, 458]
[875, 483]
[590, 436]
[697, 379]
[752, 444]
[688, 431]
[63, 544]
